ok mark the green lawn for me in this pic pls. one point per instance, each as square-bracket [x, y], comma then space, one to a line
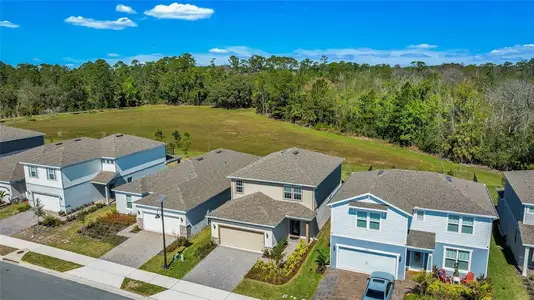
[49, 262]
[140, 287]
[66, 236]
[8, 211]
[179, 269]
[302, 286]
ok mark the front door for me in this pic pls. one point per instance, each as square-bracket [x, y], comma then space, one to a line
[416, 260]
[294, 227]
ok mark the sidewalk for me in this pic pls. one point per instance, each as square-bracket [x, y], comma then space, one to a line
[112, 274]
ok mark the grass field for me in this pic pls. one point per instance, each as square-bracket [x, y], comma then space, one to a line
[49, 262]
[10, 210]
[245, 131]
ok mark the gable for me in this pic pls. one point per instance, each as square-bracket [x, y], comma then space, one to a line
[371, 199]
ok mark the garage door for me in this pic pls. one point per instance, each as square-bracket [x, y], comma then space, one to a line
[5, 190]
[48, 202]
[150, 223]
[366, 261]
[241, 238]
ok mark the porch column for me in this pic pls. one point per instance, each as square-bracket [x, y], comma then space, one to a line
[307, 232]
[107, 194]
[525, 261]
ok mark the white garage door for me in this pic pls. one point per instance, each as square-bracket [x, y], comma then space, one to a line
[241, 238]
[48, 202]
[5, 190]
[150, 223]
[364, 261]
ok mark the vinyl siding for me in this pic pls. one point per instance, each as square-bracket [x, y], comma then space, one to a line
[122, 178]
[173, 219]
[275, 191]
[479, 258]
[393, 225]
[437, 222]
[327, 186]
[42, 179]
[514, 203]
[140, 160]
[19, 145]
[269, 241]
[510, 229]
[47, 191]
[196, 217]
[337, 240]
[81, 194]
[80, 173]
[120, 201]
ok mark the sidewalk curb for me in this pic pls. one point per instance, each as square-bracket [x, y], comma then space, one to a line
[80, 280]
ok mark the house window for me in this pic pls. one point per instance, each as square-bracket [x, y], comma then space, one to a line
[467, 225]
[129, 201]
[453, 223]
[129, 179]
[107, 161]
[530, 210]
[453, 257]
[361, 219]
[287, 192]
[374, 221]
[33, 172]
[239, 186]
[420, 215]
[50, 174]
[297, 192]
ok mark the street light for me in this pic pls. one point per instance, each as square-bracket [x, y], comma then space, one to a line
[162, 198]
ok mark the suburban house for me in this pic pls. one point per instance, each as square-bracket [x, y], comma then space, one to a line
[13, 140]
[12, 181]
[284, 194]
[68, 174]
[191, 189]
[516, 216]
[398, 220]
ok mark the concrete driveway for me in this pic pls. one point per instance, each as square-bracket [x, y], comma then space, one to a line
[223, 268]
[10, 226]
[138, 249]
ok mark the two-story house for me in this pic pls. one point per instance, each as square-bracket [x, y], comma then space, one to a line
[13, 140]
[284, 194]
[68, 174]
[190, 190]
[398, 220]
[516, 216]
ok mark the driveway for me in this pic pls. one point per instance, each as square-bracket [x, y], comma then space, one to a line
[223, 268]
[10, 226]
[138, 249]
[346, 285]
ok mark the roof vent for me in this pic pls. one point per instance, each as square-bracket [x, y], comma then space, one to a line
[380, 172]
[296, 152]
[218, 151]
[77, 140]
[199, 158]
[119, 135]
[449, 178]
[58, 144]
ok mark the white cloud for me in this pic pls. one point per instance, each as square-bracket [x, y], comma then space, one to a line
[218, 50]
[423, 46]
[113, 54]
[125, 9]
[176, 10]
[118, 24]
[36, 59]
[8, 24]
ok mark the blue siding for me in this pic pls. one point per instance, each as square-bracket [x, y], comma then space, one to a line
[19, 145]
[133, 160]
[513, 202]
[197, 216]
[479, 258]
[510, 230]
[334, 240]
[327, 186]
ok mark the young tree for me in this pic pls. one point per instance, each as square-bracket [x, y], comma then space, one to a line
[159, 134]
[177, 137]
[186, 142]
[171, 146]
[38, 209]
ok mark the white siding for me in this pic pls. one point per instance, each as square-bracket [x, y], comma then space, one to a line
[42, 179]
[39, 189]
[275, 191]
[6, 187]
[109, 167]
[393, 226]
[437, 222]
[120, 201]
[173, 220]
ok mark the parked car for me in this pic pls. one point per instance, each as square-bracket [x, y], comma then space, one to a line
[380, 285]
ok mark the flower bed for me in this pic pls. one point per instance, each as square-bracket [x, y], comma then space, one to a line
[107, 226]
[274, 273]
[430, 287]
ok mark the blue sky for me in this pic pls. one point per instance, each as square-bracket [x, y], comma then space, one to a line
[71, 32]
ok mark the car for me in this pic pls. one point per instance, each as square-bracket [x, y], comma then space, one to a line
[380, 285]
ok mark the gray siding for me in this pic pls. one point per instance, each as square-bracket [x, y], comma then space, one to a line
[327, 186]
[81, 194]
[513, 202]
[510, 230]
[21, 144]
[196, 217]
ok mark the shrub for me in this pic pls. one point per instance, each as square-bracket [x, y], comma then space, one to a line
[429, 286]
[107, 226]
[50, 221]
[322, 260]
[100, 205]
[23, 208]
[81, 216]
[204, 250]
[62, 213]
[135, 229]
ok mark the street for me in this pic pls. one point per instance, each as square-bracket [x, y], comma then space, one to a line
[19, 283]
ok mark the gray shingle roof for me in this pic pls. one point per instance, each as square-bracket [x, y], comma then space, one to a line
[407, 189]
[78, 150]
[10, 168]
[368, 205]
[261, 209]
[527, 233]
[293, 165]
[192, 182]
[523, 184]
[104, 177]
[11, 133]
[421, 239]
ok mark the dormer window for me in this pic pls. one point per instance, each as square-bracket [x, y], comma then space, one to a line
[239, 186]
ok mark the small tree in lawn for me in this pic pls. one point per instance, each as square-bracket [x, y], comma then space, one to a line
[177, 138]
[38, 209]
[159, 134]
[171, 147]
[186, 142]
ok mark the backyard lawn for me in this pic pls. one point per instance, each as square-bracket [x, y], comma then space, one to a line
[12, 209]
[66, 236]
[178, 269]
[49, 262]
[302, 286]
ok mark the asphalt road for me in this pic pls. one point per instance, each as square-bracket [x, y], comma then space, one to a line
[19, 283]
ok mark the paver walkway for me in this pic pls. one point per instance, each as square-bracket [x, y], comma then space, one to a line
[10, 226]
[137, 249]
[112, 274]
[223, 268]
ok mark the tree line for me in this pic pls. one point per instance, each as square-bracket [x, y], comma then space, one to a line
[481, 114]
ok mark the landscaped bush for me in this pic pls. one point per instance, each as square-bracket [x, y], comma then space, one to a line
[135, 229]
[204, 250]
[107, 226]
[23, 208]
[277, 250]
[81, 216]
[430, 287]
[50, 221]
